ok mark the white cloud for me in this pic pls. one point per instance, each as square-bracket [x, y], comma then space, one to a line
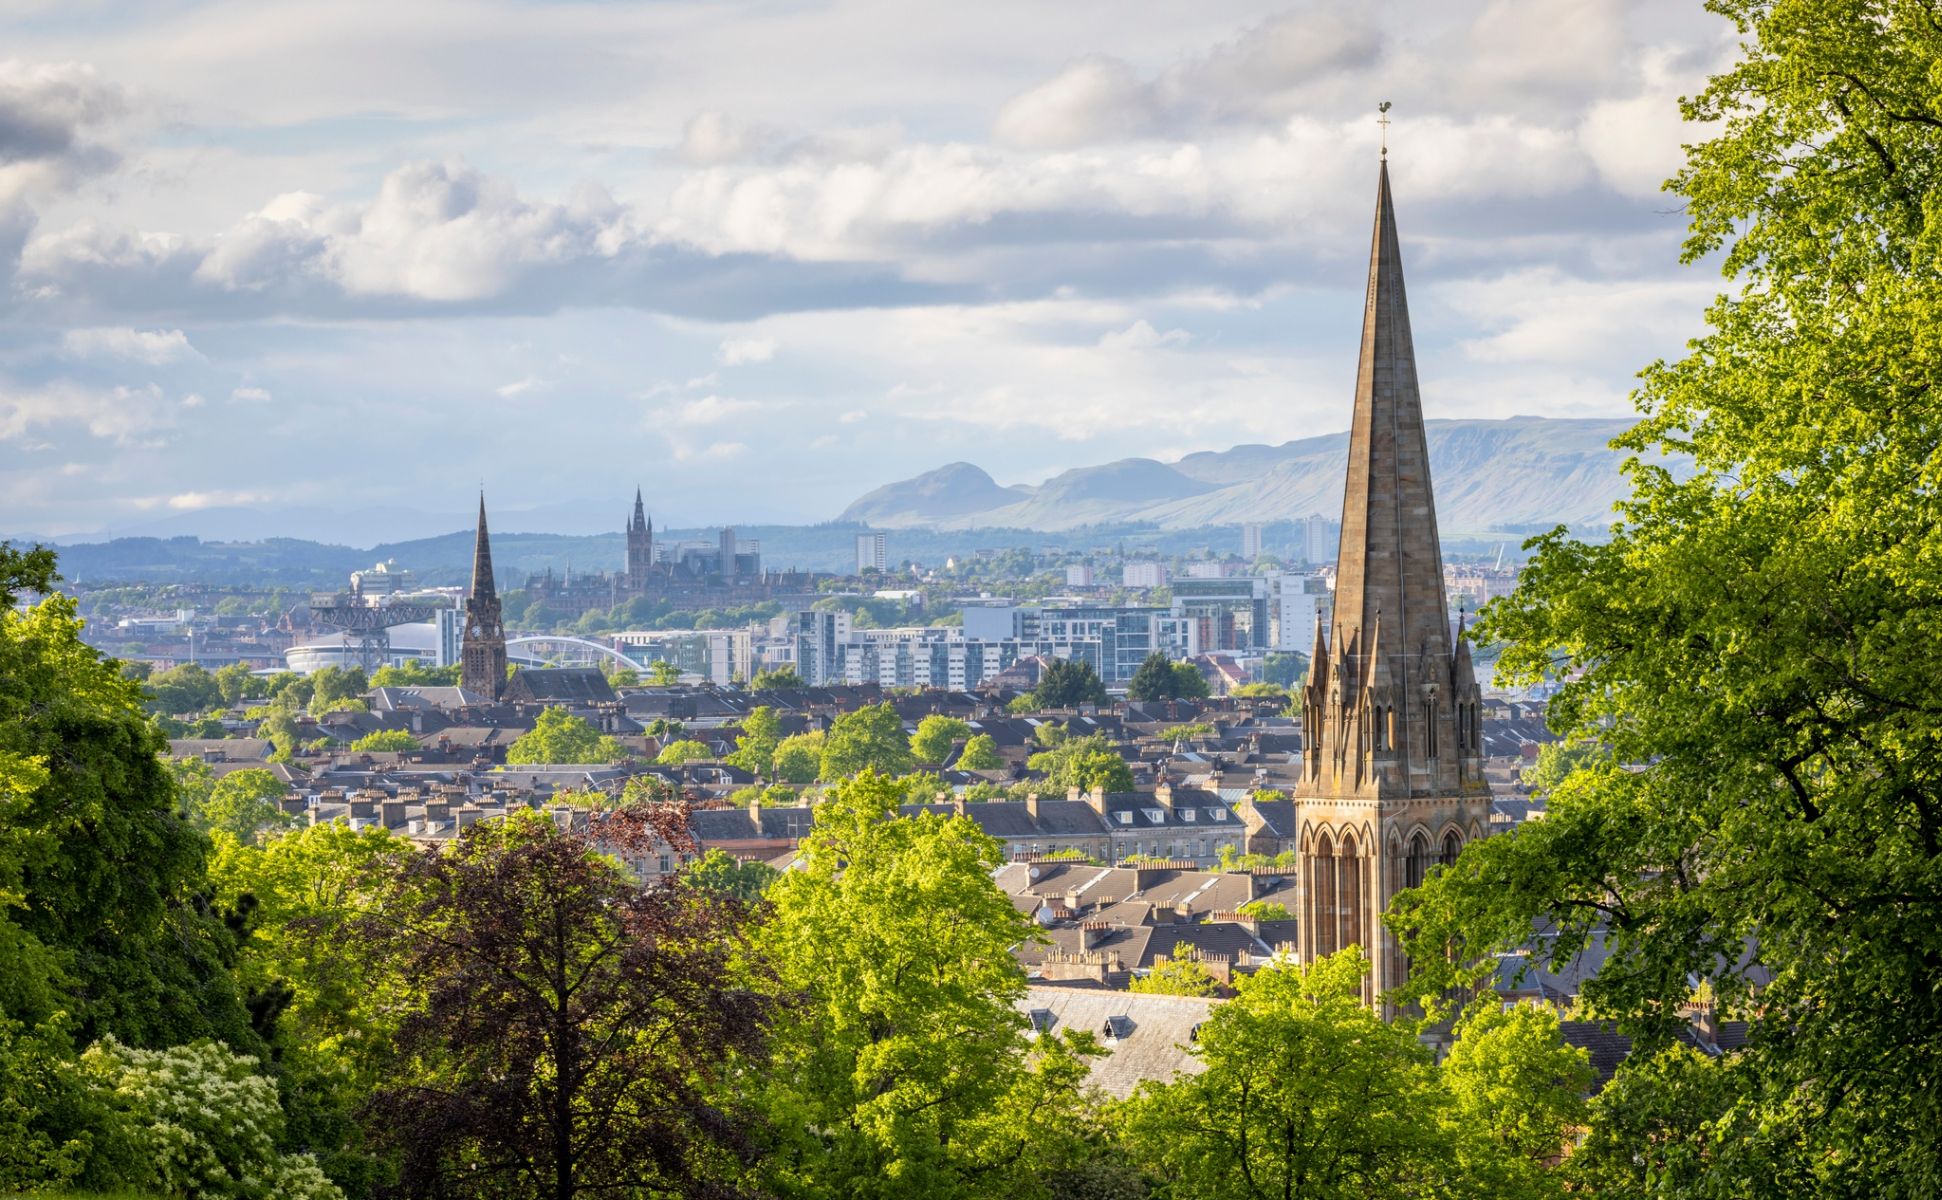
[519, 387]
[736, 351]
[152, 346]
[1142, 336]
[250, 394]
[47, 113]
[708, 410]
[119, 414]
[191, 501]
[193, 400]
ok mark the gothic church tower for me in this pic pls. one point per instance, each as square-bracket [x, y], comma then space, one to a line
[640, 548]
[1392, 771]
[482, 651]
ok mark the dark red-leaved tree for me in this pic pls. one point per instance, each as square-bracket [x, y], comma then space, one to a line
[567, 1032]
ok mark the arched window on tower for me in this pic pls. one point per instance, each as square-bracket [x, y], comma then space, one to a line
[1429, 723]
[1452, 846]
[1417, 865]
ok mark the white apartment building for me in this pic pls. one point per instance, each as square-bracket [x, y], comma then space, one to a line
[1295, 600]
[719, 656]
[1143, 575]
[869, 552]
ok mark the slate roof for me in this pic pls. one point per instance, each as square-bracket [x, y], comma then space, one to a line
[1150, 1036]
[573, 685]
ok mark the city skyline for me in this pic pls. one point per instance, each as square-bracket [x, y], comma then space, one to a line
[335, 237]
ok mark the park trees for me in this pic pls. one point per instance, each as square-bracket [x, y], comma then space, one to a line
[1307, 1092]
[243, 804]
[99, 870]
[1759, 639]
[574, 1033]
[904, 1069]
[558, 736]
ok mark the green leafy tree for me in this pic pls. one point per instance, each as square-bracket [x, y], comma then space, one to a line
[1759, 639]
[799, 759]
[980, 754]
[1284, 668]
[1516, 1095]
[243, 804]
[721, 873]
[871, 738]
[235, 683]
[1266, 910]
[626, 677]
[415, 674]
[558, 736]
[99, 873]
[398, 741]
[1154, 680]
[1068, 683]
[903, 1069]
[199, 1120]
[1181, 974]
[1556, 761]
[686, 750]
[334, 688]
[776, 677]
[662, 673]
[936, 735]
[755, 748]
[184, 689]
[1188, 682]
[1084, 763]
[1307, 1092]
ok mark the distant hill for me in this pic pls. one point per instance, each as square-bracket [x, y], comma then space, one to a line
[1517, 473]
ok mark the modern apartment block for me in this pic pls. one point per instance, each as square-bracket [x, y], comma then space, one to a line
[869, 552]
[1143, 575]
[1251, 540]
[1229, 614]
[1115, 640]
[720, 656]
[1297, 600]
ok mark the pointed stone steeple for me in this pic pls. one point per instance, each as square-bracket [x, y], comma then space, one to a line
[482, 581]
[1392, 759]
[482, 650]
[1401, 734]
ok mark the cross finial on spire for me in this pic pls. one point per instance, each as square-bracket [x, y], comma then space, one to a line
[1383, 120]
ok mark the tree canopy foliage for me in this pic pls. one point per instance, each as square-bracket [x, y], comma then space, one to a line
[871, 738]
[1759, 642]
[558, 736]
[1085, 763]
[1160, 678]
[1068, 683]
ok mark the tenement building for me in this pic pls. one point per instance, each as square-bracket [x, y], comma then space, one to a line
[1392, 768]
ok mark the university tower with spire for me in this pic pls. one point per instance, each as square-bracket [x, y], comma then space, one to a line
[1392, 760]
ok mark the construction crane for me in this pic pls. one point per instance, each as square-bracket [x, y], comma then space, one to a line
[369, 624]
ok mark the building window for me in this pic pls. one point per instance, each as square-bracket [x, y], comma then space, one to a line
[667, 863]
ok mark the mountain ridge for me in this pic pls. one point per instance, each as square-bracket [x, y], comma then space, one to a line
[1489, 475]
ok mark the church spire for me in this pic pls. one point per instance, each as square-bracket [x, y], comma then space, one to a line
[1390, 566]
[482, 648]
[482, 584]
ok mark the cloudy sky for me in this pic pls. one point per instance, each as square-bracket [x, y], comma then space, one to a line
[761, 256]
